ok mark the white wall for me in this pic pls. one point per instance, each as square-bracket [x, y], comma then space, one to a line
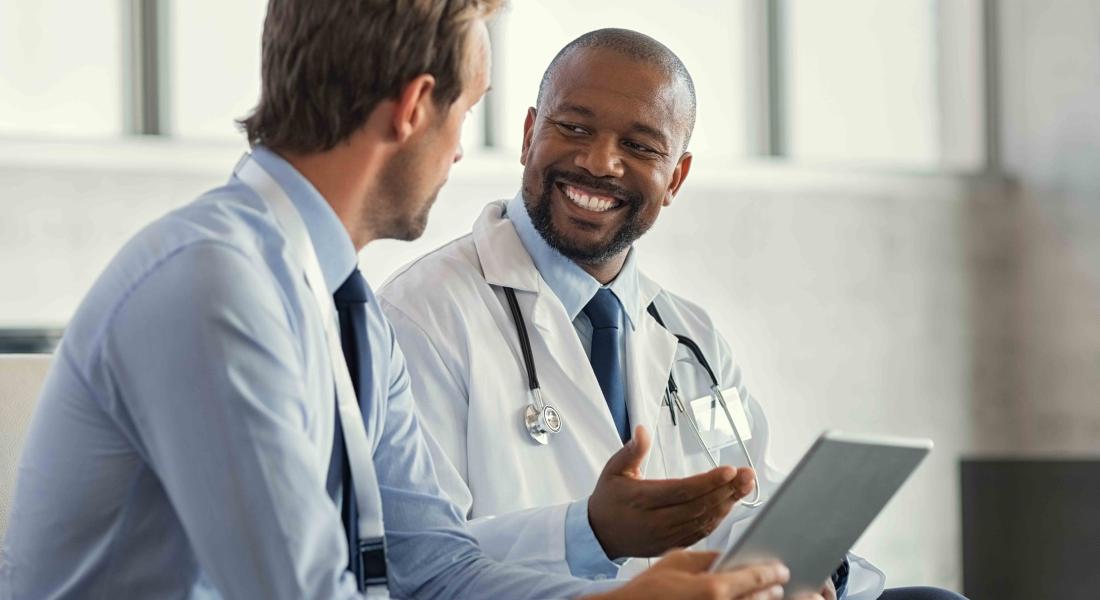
[847, 297]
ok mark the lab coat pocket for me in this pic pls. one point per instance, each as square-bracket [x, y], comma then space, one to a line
[673, 460]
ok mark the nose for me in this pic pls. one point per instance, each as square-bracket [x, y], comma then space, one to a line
[601, 158]
[458, 153]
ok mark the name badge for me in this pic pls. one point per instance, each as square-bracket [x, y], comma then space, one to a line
[714, 427]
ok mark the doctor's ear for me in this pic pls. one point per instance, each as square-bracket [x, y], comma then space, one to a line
[528, 129]
[679, 174]
[414, 107]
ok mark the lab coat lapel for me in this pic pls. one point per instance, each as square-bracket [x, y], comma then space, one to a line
[504, 260]
[571, 367]
[650, 353]
[565, 373]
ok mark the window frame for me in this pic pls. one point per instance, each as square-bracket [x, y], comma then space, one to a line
[969, 137]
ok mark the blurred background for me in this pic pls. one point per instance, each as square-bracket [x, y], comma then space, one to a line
[893, 215]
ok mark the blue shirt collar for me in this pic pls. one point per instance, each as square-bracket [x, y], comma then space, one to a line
[331, 241]
[570, 283]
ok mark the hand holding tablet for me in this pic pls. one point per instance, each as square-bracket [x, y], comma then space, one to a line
[683, 575]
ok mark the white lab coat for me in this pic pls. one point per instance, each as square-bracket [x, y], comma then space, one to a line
[454, 326]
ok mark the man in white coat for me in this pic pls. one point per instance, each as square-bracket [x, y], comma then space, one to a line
[604, 150]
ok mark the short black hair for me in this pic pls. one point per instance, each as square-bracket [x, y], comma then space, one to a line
[637, 46]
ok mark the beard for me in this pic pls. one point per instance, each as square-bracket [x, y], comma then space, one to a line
[412, 226]
[540, 209]
[404, 207]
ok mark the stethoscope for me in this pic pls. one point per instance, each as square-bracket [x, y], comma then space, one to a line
[542, 420]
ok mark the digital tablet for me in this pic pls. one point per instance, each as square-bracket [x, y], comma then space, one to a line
[825, 504]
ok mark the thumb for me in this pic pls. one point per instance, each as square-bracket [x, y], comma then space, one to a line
[628, 460]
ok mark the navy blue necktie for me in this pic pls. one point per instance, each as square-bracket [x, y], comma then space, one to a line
[605, 314]
[367, 563]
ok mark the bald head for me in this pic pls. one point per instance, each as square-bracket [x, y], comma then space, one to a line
[638, 47]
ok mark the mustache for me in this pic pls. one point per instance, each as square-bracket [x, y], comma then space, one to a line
[603, 186]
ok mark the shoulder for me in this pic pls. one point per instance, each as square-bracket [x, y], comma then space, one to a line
[222, 248]
[674, 307]
[231, 218]
[441, 279]
[689, 318]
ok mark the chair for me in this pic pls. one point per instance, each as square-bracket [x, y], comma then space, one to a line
[21, 377]
[1030, 527]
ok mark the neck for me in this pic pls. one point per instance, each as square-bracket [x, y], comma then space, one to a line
[605, 272]
[340, 177]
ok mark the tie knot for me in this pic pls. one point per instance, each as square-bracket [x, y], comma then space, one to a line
[603, 310]
[354, 290]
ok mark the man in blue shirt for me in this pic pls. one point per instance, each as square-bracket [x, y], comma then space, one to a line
[183, 445]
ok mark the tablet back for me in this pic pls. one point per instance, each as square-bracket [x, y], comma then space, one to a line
[825, 504]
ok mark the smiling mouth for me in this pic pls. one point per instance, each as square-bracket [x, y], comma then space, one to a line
[588, 199]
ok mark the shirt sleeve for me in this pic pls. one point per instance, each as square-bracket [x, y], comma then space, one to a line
[583, 552]
[431, 552]
[208, 377]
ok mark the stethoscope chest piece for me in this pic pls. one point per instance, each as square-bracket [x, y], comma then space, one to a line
[540, 418]
[542, 423]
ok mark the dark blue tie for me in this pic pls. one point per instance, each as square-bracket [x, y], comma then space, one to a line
[605, 314]
[367, 562]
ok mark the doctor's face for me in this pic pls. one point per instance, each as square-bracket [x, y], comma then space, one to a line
[603, 153]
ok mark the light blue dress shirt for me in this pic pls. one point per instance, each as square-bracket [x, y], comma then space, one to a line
[181, 442]
[575, 287]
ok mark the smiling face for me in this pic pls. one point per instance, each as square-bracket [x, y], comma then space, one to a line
[603, 154]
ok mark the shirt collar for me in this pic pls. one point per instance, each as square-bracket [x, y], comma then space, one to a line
[570, 283]
[331, 241]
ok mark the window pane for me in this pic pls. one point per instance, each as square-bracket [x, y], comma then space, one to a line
[706, 35]
[215, 70]
[860, 81]
[215, 65]
[60, 68]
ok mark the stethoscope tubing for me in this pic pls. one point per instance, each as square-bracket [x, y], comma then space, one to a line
[524, 340]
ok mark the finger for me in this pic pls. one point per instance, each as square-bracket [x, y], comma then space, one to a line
[715, 504]
[745, 481]
[686, 561]
[689, 533]
[628, 460]
[774, 592]
[746, 581]
[656, 493]
[684, 524]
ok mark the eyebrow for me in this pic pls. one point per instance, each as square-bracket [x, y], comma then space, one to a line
[650, 131]
[642, 128]
[583, 111]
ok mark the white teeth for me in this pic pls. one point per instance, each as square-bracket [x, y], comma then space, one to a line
[583, 200]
